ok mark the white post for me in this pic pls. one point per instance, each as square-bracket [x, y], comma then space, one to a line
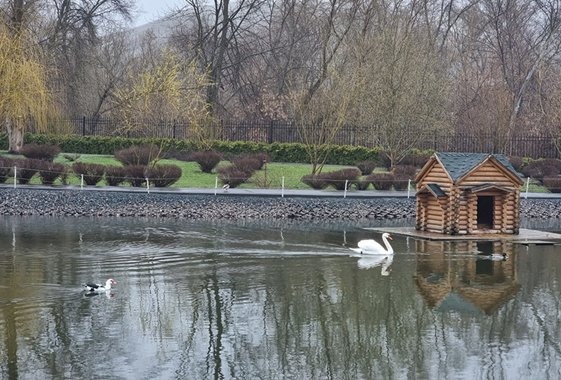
[215, 185]
[147, 185]
[346, 184]
[282, 190]
[82, 182]
[408, 188]
[15, 176]
[527, 185]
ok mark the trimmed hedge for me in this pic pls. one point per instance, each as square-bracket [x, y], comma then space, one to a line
[277, 152]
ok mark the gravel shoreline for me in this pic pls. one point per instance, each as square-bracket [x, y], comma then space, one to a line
[24, 202]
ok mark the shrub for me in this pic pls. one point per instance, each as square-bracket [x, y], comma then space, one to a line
[40, 152]
[6, 167]
[180, 156]
[207, 160]
[381, 181]
[552, 183]
[93, 173]
[248, 164]
[385, 160]
[232, 176]
[405, 171]
[71, 157]
[26, 169]
[361, 184]
[137, 155]
[417, 160]
[315, 181]
[50, 171]
[401, 181]
[135, 175]
[541, 168]
[516, 162]
[114, 175]
[366, 167]
[163, 175]
[338, 179]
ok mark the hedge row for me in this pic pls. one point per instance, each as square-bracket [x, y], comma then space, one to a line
[277, 152]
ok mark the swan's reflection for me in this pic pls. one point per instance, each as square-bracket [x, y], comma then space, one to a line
[372, 261]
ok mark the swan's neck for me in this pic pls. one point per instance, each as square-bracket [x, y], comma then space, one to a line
[388, 246]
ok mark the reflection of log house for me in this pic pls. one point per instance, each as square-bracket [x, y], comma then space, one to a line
[449, 278]
[468, 193]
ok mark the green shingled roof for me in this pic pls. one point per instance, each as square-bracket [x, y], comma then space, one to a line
[458, 164]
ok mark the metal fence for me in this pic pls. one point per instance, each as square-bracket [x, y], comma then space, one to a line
[535, 146]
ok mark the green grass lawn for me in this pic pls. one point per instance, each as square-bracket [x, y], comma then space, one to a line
[270, 177]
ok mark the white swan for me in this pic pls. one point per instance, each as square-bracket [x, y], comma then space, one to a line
[371, 247]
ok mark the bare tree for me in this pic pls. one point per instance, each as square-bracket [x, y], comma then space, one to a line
[405, 90]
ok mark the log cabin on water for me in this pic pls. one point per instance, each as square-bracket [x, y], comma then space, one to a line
[468, 193]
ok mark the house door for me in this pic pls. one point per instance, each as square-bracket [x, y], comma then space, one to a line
[485, 208]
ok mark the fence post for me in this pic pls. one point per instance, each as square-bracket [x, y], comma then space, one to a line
[408, 188]
[527, 185]
[15, 175]
[81, 182]
[215, 185]
[83, 125]
[147, 185]
[282, 190]
[271, 126]
[346, 184]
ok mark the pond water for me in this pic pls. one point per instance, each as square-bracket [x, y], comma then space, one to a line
[242, 300]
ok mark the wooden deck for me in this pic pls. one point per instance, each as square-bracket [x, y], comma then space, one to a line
[525, 236]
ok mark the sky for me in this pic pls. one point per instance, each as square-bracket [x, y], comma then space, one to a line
[153, 9]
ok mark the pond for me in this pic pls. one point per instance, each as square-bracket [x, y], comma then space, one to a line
[269, 300]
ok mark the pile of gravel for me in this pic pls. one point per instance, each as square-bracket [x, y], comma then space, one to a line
[22, 202]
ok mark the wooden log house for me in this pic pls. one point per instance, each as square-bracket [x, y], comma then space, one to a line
[468, 193]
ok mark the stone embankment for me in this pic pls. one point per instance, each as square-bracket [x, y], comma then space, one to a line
[24, 202]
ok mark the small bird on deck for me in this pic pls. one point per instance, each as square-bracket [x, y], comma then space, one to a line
[225, 188]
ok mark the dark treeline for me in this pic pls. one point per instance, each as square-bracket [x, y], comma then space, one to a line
[401, 70]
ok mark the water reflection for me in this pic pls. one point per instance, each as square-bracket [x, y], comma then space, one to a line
[459, 276]
[216, 300]
[373, 261]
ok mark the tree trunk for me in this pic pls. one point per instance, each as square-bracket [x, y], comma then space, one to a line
[15, 134]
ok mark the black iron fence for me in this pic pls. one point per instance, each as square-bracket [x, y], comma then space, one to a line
[535, 146]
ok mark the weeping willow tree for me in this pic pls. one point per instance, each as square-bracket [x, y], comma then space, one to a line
[24, 89]
[162, 90]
